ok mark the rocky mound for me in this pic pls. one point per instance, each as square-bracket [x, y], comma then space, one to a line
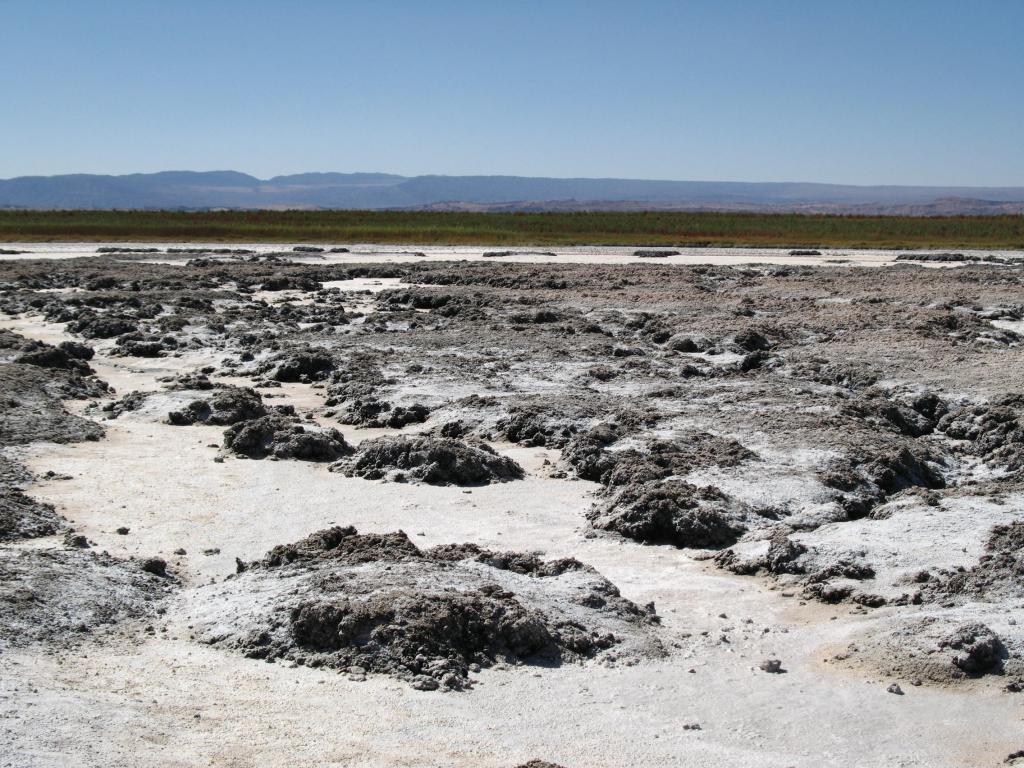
[13, 473]
[302, 365]
[643, 497]
[671, 512]
[374, 413]
[283, 437]
[69, 355]
[431, 460]
[63, 596]
[226, 407]
[999, 573]
[936, 649]
[22, 517]
[31, 409]
[995, 431]
[865, 480]
[377, 603]
[95, 326]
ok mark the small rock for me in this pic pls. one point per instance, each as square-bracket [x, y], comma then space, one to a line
[424, 683]
[772, 666]
[895, 688]
[122, 531]
[155, 565]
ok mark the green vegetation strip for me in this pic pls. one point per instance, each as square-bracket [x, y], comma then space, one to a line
[518, 229]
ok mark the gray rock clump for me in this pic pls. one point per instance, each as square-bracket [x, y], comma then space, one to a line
[371, 412]
[998, 574]
[133, 401]
[689, 343]
[228, 406]
[31, 408]
[864, 481]
[937, 649]
[430, 460]
[995, 431]
[655, 254]
[69, 355]
[93, 326]
[289, 283]
[670, 512]
[283, 437]
[645, 499]
[782, 557]
[22, 517]
[977, 649]
[379, 604]
[303, 365]
[501, 254]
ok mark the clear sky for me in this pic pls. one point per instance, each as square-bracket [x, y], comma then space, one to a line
[858, 91]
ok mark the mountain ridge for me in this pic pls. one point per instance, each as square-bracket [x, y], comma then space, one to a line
[373, 190]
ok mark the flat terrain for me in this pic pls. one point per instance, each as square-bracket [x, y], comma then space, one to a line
[519, 229]
[287, 508]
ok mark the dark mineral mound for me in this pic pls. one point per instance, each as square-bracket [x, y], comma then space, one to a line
[303, 365]
[284, 437]
[69, 355]
[431, 460]
[377, 603]
[643, 497]
[31, 409]
[371, 412]
[995, 430]
[999, 573]
[864, 481]
[588, 455]
[671, 512]
[783, 556]
[93, 326]
[21, 517]
[63, 596]
[13, 473]
[226, 407]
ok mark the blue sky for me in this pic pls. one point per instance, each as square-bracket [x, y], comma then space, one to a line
[863, 92]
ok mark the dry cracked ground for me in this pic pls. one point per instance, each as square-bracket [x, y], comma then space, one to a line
[261, 512]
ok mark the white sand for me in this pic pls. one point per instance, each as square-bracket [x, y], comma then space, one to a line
[372, 253]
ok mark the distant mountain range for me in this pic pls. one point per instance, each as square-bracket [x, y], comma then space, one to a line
[230, 189]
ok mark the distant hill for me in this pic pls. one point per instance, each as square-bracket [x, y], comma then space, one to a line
[230, 189]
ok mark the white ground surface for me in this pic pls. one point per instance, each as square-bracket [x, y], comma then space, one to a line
[363, 253]
[165, 701]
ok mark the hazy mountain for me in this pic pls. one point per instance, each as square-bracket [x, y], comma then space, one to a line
[230, 189]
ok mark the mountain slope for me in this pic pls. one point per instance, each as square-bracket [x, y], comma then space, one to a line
[230, 189]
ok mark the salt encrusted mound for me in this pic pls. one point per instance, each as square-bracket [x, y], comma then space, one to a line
[431, 460]
[377, 603]
[22, 517]
[937, 649]
[283, 437]
[62, 596]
